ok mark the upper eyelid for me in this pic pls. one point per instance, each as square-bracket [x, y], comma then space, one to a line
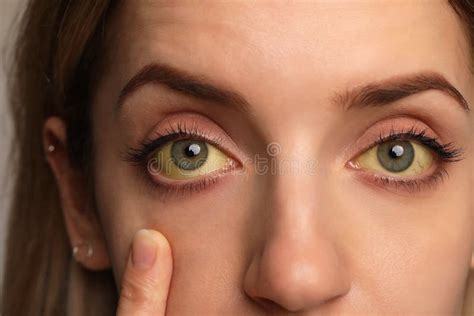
[393, 124]
[403, 135]
[217, 141]
[137, 155]
[378, 140]
[202, 125]
[452, 152]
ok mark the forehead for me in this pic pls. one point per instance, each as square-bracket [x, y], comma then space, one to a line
[302, 43]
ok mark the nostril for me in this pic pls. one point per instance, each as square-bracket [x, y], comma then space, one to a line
[269, 304]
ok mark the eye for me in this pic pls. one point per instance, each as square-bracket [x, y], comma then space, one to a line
[186, 159]
[397, 157]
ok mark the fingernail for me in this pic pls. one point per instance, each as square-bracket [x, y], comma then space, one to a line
[144, 250]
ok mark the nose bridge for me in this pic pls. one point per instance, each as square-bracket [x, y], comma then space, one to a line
[298, 265]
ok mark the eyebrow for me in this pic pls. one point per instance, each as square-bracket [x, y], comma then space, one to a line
[396, 88]
[373, 94]
[185, 83]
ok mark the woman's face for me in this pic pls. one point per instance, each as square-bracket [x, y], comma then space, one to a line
[324, 177]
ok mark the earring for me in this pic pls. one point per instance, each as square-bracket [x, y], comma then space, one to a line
[82, 251]
[51, 148]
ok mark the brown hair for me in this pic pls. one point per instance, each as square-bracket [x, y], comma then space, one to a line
[59, 45]
[58, 42]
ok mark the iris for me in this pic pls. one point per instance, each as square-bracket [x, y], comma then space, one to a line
[189, 154]
[396, 156]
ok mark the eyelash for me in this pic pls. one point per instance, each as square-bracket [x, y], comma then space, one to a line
[139, 157]
[446, 153]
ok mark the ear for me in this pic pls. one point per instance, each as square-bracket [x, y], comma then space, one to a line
[81, 219]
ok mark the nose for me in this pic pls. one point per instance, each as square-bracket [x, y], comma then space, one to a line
[298, 265]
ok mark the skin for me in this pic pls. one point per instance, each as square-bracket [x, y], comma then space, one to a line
[300, 243]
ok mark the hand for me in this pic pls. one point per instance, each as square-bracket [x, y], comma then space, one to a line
[147, 277]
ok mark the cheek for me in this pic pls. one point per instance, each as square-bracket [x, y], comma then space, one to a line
[206, 232]
[438, 262]
[407, 251]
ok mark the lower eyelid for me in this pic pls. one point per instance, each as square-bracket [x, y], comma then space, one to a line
[231, 166]
[165, 190]
[409, 185]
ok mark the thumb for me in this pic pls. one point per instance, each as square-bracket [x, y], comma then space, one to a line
[146, 280]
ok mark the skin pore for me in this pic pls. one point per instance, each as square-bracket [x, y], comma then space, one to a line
[330, 235]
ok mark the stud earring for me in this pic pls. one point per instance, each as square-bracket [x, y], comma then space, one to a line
[82, 251]
[51, 148]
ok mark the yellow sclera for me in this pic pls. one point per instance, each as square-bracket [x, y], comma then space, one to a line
[422, 161]
[162, 162]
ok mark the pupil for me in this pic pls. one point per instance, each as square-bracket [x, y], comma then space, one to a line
[396, 151]
[192, 150]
